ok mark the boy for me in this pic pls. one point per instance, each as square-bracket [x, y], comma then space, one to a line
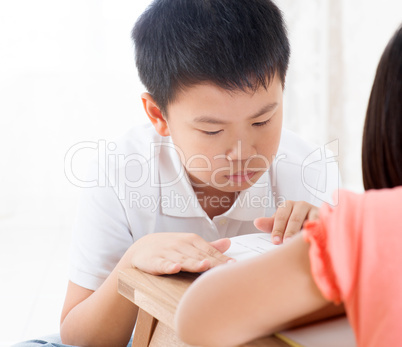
[202, 172]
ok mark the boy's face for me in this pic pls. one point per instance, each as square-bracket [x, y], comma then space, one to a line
[227, 139]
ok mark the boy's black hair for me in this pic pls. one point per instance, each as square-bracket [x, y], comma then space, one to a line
[382, 135]
[235, 44]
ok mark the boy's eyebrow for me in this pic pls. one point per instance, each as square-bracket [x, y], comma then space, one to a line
[212, 120]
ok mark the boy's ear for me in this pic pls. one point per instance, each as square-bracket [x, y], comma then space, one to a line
[155, 115]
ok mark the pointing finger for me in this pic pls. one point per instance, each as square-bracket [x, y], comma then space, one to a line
[281, 219]
[221, 245]
[264, 223]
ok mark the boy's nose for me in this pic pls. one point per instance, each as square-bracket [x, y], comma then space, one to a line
[241, 150]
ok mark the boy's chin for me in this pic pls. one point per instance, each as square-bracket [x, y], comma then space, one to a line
[229, 187]
[225, 185]
[236, 187]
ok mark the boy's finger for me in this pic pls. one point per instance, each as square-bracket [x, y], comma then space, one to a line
[169, 267]
[160, 266]
[193, 265]
[221, 245]
[296, 219]
[314, 214]
[265, 223]
[175, 262]
[215, 256]
[281, 219]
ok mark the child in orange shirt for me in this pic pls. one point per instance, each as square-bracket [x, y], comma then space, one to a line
[350, 254]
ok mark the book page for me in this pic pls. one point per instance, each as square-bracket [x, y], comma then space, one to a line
[250, 245]
[333, 332]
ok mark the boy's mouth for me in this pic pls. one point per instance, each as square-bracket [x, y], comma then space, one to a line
[241, 177]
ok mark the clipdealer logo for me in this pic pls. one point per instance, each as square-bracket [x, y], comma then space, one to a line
[182, 203]
[112, 168]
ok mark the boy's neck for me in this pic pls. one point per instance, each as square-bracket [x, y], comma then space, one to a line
[213, 201]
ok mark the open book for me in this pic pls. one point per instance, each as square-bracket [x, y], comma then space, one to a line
[249, 245]
[332, 332]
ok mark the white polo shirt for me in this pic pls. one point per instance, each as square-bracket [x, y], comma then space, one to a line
[141, 187]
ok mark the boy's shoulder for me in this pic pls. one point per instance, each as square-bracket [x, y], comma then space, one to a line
[140, 144]
[305, 171]
[293, 148]
[138, 138]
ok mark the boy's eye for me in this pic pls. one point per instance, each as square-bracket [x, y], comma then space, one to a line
[211, 132]
[260, 124]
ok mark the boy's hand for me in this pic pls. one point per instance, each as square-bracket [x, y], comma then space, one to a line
[287, 220]
[169, 253]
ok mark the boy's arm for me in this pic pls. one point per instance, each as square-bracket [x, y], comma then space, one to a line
[104, 317]
[100, 318]
[241, 302]
[288, 220]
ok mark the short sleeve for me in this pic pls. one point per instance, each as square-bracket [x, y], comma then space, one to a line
[355, 256]
[101, 235]
[321, 264]
[335, 242]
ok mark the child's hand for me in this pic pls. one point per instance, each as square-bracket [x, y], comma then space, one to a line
[287, 220]
[169, 253]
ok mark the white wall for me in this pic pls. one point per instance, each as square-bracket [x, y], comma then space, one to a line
[336, 46]
[67, 75]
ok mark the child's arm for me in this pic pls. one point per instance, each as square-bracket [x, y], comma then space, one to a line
[237, 303]
[287, 220]
[104, 317]
[100, 318]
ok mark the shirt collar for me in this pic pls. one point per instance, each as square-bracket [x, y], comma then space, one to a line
[177, 195]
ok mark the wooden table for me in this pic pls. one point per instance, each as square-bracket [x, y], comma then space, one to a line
[157, 298]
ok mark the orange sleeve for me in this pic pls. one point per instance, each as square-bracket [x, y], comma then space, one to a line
[355, 256]
[334, 246]
[321, 265]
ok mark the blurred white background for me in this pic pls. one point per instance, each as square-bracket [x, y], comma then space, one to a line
[68, 75]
